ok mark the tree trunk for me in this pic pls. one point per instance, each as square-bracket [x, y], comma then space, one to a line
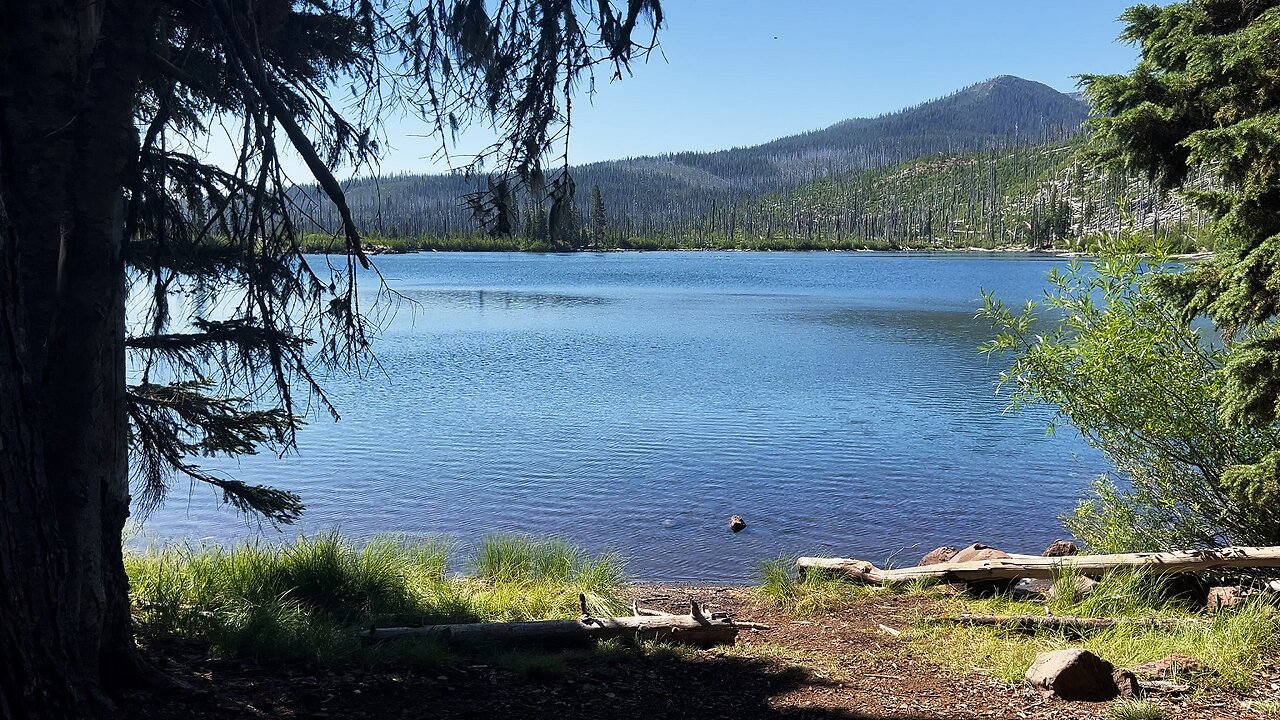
[68, 87]
[1024, 566]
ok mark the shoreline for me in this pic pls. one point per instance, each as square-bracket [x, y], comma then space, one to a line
[1055, 253]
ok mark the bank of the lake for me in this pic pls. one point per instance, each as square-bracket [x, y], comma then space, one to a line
[378, 244]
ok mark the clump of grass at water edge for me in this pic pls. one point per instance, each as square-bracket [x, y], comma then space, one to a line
[310, 600]
[814, 593]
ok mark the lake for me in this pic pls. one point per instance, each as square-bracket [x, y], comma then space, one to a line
[634, 401]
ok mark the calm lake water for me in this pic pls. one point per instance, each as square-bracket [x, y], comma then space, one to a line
[634, 401]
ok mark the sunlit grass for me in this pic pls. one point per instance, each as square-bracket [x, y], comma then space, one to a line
[1266, 707]
[1232, 645]
[815, 593]
[311, 599]
[1136, 710]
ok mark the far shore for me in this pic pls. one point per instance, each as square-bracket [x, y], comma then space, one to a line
[375, 249]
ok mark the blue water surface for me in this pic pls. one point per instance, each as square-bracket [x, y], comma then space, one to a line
[634, 401]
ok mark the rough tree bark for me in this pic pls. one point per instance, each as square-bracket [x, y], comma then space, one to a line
[69, 73]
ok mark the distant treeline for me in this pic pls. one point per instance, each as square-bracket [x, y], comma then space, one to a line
[1037, 197]
[991, 165]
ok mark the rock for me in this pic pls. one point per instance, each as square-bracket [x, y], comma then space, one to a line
[978, 552]
[1074, 674]
[736, 523]
[1222, 597]
[1032, 589]
[938, 555]
[1073, 590]
[1171, 667]
[1126, 683]
[1060, 548]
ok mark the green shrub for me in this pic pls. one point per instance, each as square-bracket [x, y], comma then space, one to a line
[1118, 361]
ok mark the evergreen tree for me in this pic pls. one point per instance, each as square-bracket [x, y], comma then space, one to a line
[599, 222]
[101, 197]
[1204, 99]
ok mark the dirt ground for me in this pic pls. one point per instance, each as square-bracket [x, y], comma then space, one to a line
[841, 665]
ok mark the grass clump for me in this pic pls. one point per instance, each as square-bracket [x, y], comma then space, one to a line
[524, 578]
[818, 591]
[1266, 707]
[310, 600]
[1233, 645]
[1136, 710]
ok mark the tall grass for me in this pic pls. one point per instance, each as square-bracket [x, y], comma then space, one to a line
[311, 599]
[817, 592]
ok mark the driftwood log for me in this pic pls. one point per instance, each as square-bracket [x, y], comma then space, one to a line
[1024, 566]
[1076, 626]
[692, 629]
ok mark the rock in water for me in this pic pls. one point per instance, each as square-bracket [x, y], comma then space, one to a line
[1060, 548]
[1076, 674]
[736, 523]
[938, 555]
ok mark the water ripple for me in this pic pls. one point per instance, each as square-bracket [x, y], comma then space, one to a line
[634, 401]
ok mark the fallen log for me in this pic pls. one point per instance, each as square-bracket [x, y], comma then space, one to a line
[1076, 626]
[1014, 568]
[692, 629]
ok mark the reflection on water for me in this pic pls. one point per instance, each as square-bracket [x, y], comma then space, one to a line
[634, 401]
[504, 299]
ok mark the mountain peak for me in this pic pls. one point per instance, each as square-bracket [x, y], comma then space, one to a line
[1008, 84]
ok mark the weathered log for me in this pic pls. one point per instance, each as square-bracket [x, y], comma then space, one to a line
[1069, 625]
[692, 629]
[1022, 566]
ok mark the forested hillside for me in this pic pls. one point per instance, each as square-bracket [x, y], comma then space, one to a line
[1037, 196]
[678, 193]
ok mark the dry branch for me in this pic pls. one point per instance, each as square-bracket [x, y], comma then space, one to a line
[692, 629]
[1023, 566]
[1069, 625]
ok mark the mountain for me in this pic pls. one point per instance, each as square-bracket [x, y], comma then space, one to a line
[654, 194]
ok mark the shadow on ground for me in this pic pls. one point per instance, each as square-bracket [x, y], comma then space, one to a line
[684, 685]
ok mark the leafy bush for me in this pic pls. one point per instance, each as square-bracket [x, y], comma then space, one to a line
[1120, 362]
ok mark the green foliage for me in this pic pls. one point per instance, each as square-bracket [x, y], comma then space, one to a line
[1136, 710]
[1040, 196]
[1233, 645]
[1269, 708]
[1119, 362]
[309, 600]
[817, 592]
[1204, 100]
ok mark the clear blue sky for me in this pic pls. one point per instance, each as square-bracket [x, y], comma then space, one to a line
[741, 72]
